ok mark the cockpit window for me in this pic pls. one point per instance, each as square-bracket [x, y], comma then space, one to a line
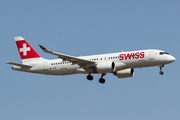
[166, 53]
[162, 53]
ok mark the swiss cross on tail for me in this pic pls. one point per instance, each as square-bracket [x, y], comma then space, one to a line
[25, 50]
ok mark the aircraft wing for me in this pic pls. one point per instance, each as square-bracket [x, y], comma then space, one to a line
[81, 62]
[19, 65]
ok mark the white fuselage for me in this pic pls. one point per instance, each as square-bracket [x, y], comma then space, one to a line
[125, 60]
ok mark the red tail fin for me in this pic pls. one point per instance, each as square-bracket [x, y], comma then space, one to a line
[25, 50]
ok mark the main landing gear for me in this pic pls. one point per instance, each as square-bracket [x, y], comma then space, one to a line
[90, 77]
[101, 80]
[161, 72]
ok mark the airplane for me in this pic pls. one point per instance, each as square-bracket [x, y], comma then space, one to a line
[120, 64]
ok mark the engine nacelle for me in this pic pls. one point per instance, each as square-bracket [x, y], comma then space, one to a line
[105, 67]
[120, 66]
[125, 73]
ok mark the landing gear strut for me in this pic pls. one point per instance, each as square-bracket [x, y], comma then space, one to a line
[102, 80]
[161, 72]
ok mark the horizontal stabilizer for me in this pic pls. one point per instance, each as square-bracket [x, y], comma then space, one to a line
[17, 64]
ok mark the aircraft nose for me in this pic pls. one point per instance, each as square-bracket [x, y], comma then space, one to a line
[171, 59]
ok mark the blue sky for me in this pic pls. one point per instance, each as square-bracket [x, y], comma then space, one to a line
[85, 28]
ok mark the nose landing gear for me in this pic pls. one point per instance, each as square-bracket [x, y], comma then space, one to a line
[161, 72]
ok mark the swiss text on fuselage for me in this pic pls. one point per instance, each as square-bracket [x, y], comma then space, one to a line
[136, 55]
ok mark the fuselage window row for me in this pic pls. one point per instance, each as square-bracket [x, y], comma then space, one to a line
[60, 63]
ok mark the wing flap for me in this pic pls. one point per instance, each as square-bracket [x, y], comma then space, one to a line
[17, 64]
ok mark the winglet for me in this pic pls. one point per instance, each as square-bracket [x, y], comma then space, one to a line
[42, 47]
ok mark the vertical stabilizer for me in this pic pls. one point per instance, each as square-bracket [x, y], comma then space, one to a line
[26, 52]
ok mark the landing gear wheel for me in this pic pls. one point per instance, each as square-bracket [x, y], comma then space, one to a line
[161, 72]
[90, 77]
[102, 80]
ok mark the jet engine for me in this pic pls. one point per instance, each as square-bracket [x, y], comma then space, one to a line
[104, 67]
[125, 73]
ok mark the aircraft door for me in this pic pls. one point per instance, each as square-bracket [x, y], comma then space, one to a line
[45, 67]
[151, 55]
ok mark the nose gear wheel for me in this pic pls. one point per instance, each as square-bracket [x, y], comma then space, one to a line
[161, 72]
